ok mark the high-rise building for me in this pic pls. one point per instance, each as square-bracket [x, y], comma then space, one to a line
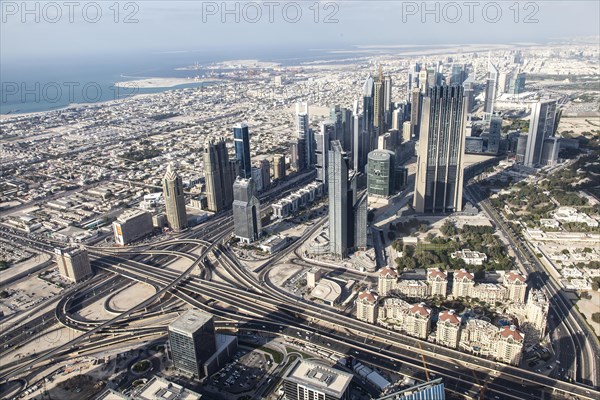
[219, 174]
[494, 137]
[241, 139]
[322, 139]
[448, 329]
[338, 200]
[265, 167]
[315, 381]
[439, 178]
[381, 173]
[73, 263]
[174, 200]
[368, 100]
[347, 208]
[246, 211]
[378, 104]
[550, 150]
[459, 74]
[387, 101]
[366, 306]
[541, 126]
[521, 148]
[279, 167]
[424, 81]
[132, 225]
[192, 341]
[360, 214]
[257, 178]
[305, 138]
[415, 112]
[491, 91]
[469, 85]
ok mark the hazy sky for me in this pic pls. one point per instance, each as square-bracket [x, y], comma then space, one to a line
[97, 29]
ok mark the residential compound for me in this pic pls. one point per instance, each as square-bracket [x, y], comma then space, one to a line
[470, 332]
[513, 286]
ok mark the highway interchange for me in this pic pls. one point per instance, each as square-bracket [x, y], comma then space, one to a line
[245, 301]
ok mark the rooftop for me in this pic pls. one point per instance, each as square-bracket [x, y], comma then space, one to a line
[326, 379]
[190, 321]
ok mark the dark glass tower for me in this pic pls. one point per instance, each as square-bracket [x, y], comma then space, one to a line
[241, 139]
[439, 179]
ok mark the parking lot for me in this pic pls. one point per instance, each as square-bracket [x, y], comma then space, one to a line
[242, 373]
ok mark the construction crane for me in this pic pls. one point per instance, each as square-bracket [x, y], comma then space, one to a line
[424, 363]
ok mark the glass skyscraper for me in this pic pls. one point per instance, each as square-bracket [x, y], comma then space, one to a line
[439, 179]
[241, 138]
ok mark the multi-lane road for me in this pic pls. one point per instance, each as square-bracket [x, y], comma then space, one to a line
[578, 345]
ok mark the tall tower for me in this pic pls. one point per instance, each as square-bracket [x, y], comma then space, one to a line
[278, 167]
[491, 90]
[387, 101]
[174, 200]
[495, 133]
[378, 103]
[246, 210]
[439, 178]
[541, 126]
[305, 138]
[241, 139]
[367, 125]
[219, 173]
[322, 149]
[338, 200]
[415, 112]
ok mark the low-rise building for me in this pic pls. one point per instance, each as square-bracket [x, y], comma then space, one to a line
[437, 281]
[366, 306]
[448, 329]
[470, 257]
[132, 225]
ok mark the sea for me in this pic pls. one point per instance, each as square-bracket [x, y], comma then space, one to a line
[45, 85]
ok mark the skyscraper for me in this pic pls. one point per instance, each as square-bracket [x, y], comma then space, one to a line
[378, 103]
[415, 112]
[541, 126]
[338, 200]
[347, 209]
[380, 173]
[246, 210]
[278, 166]
[219, 174]
[241, 139]
[192, 341]
[323, 138]
[439, 178]
[387, 101]
[305, 138]
[174, 200]
[73, 263]
[491, 91]
[459, 74]
[494, 137]
[469, 85]
[265, 167]
[367, 123]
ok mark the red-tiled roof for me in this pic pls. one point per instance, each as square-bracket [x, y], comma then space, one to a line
[435, 273]
[420, 309]
[462, 273]
[368, 296]
[450, 316]
[514, 275]
[508, 331]
[388, 272]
